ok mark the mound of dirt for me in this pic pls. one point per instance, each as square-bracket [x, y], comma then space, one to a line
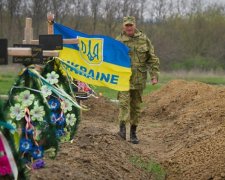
[192, 129]
[182, 128]
[96, 154]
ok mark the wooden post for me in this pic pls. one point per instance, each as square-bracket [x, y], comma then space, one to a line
[21, 51]
[28, 32]
[28, 36]
[50, 18]
[28, 39]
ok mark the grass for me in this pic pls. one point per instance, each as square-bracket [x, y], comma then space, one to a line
[150, 166]
[104, 91]
[9, 73]
[112, 94]
[205, 77]
[216, 78]
[150, 88]
[6, 83]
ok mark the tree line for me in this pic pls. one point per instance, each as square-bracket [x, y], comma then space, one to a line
[187, 34]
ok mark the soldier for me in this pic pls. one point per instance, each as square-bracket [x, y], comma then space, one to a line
[143, 59]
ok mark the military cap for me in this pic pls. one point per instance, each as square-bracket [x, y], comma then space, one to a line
[128, 20]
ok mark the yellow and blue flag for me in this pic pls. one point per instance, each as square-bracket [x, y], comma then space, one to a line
[96, 59]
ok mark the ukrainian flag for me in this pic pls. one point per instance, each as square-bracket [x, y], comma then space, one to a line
[96, 59]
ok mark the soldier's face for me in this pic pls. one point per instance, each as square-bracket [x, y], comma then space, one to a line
[129, 29]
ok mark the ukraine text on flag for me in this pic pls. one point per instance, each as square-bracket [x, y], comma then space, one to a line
[97, 59]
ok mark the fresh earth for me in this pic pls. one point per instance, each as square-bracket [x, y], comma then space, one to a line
[182, 128]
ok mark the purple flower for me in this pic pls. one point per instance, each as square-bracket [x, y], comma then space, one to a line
[38, 164]
[37, 152]
[54, 104]
[25, 145]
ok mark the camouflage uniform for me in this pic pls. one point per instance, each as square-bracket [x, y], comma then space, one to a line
[143, 59]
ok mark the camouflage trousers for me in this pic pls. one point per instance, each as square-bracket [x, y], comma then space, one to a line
[130, 106]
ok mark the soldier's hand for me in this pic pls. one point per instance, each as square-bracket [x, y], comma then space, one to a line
[154, 80]
[50, 16]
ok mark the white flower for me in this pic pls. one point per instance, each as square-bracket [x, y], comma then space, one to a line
[36, 103]
[52, 77]
[17, 112]
[26, 98]
[37, 113]
[66, 106]
[45, 91]
[70, 119]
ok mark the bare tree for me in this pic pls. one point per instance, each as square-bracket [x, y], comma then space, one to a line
[134, 9]
[130, 7]
[142, 10]
[196, 6]
[159, 9]
[111, 13]
[2, 10]
[13, 7]
[60, 8]
[79, 10]
[95, 4]
[39, 9]
[125, 5]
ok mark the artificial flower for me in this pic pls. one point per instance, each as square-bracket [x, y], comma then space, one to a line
[37, 152]
[54, 104]
[60, 132]
[25, 145]
[37, 113]
[17, 112]
[61, 120]
[38, 164]
[66, 106]
[52, 77]
[53, 118]
[26, 98]
[51, 152]
[46, 91]
[66, 137]
[29, 131]
[36, 103]
[70, 119]
[13, 125]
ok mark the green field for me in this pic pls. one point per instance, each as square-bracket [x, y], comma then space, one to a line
[8, 75]
[5, 83]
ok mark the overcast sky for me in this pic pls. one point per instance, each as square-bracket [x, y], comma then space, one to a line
[213, 1]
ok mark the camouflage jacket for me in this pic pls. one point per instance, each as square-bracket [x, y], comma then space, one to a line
[143, 58]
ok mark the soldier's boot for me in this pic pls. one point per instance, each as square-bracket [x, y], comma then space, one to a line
[122, 132]
[133, 135]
